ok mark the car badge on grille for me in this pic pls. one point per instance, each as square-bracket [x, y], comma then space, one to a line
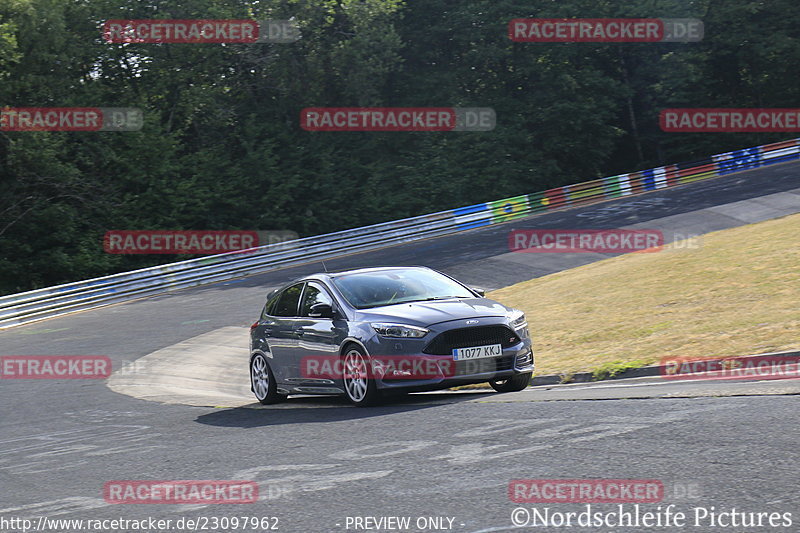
[472, 321]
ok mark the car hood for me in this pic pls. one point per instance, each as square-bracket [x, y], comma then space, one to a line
[429, 313]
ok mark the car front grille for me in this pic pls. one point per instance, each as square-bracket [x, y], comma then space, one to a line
[446, 342]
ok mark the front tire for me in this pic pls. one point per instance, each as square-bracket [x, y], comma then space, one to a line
[512, 384]
[359, 386]
[262, 381]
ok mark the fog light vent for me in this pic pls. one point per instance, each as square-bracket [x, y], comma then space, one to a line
[524, 360]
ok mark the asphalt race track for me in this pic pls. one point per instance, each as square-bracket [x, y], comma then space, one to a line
[442, 460]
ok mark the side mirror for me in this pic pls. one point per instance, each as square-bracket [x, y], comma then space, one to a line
[480, 292]
[321, 310]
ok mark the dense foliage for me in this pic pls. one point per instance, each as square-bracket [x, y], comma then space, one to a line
[222, 147]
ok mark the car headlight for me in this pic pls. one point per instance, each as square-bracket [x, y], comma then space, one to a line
[398, 330]
[517, 319]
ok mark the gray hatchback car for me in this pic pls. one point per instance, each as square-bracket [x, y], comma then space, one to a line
[364, 333]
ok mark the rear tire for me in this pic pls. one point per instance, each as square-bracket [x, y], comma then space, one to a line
[512, 384]
[359, 386]
[262, 381]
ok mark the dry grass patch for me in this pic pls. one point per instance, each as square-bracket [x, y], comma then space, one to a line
[738, 294]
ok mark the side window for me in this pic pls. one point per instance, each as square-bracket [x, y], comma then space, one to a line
[315, 294]
[287, 301]
[272, 298]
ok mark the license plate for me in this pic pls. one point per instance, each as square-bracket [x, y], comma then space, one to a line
[478, 352]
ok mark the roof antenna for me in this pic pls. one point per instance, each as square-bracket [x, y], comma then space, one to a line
[324, 267]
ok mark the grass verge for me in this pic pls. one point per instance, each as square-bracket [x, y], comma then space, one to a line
[737, 294]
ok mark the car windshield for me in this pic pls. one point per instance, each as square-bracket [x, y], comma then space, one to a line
[387, 287]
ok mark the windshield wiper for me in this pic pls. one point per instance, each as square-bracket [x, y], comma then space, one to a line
[428, 299]
[431, 298]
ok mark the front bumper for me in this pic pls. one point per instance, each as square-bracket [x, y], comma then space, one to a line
[397, 362]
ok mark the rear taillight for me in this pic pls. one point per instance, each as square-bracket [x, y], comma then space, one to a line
[254, 326]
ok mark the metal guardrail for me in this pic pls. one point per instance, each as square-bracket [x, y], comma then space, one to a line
[40, 304]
